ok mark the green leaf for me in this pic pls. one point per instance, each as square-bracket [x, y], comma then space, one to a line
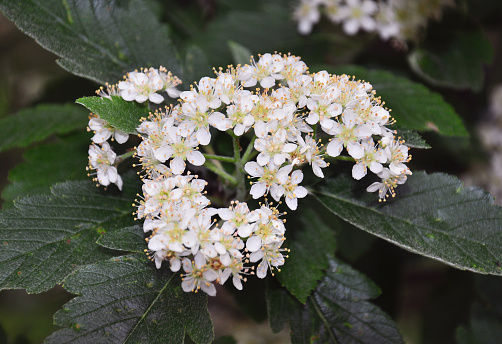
[196, 65]
[305, 265]
[47, 164]
[129, 239]
[38, 123]
[119, 113]
[266, 29]
[45, 238]
[432, 215]
[412, 139]
[457, 62]
[126, 300]
[337, 312]
[240, 54]
[98, 40]
[413, 105]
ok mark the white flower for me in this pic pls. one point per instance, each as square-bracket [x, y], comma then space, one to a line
[198, 275]
[181, 149]
[196, 119]
[266, 70]
[169, 82]
[273, 150]
[373, 158]
[307, 14]
[103, 131]
[237, 218]
[292, 191]
[357, 14]
[387, 25]
[102, 159]
[270, 257]
[205, 89]
[348, 134]
[322, 111]
[268, 178]
[389, 182]
[397, 154]
[141, 87]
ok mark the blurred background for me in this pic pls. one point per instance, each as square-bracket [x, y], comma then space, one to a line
[431, 302]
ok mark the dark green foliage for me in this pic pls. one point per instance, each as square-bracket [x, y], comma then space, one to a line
[119, 113]
[99, 40]
[127, 300]
[38, 123]
[433, 215]
[47, 237]
[337, 312]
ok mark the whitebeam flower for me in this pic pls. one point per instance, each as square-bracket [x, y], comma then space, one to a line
[303, 120]
[103, 131]
[390, 181]
[141, 87]
[102, 159]
[358, 14]
[348, 134]
[266, 70]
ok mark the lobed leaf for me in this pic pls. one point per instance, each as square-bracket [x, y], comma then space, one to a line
[98, 40]
[46, 237]
[126, 300]
[433, 215]
[413, 105]
[337, 312]
[118, 112]
[305, 265]
[38, 123]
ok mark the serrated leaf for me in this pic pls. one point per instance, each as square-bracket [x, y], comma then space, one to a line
[413, 105]
[412, 139]
[432, 215]
[47, 164]
[47, 237]
[240, 54]
[119, 113]
[99, 40]
[337, 312]
[126, 300]
[129, 239]
[458, 62]
[38, 123]
[313, 243]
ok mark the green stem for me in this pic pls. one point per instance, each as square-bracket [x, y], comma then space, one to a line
[249, 151]
[219, 157]
[229, 178]
[340, 157]
[124, 156]
[239, 170]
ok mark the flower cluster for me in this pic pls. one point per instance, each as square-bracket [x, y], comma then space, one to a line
[293, 119]
[400, 19]
[138, 86]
